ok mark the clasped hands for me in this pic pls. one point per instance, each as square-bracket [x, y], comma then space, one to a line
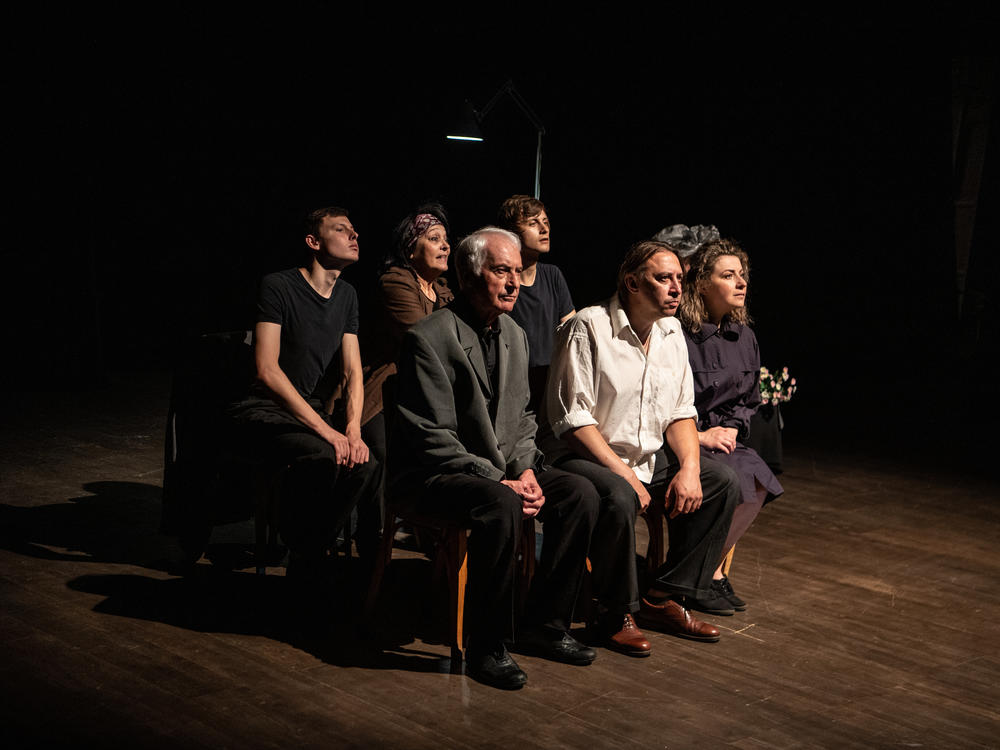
[349, 448]
[528, 488]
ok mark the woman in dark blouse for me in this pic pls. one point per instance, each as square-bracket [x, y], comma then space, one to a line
[725, 362]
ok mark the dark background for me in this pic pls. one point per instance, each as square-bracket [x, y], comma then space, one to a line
[158, 166]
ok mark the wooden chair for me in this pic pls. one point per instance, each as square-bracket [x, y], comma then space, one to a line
[450, 561]
[207, 480]
[450, 553]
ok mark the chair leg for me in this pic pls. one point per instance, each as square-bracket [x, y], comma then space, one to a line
[265, 519]
[527, 563]
[260, 547]
[584, 609]
[458, 563]
[655, 553]
[727, 562]
[382, 561]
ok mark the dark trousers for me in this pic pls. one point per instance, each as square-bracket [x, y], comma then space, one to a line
[696, 539]
[493, 512]
[695, 543]
[317, 494]
[371, 515]
[614, 578]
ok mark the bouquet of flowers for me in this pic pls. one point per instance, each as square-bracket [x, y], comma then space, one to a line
[776, 388]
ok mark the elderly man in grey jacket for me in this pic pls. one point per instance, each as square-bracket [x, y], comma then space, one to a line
[462, 446]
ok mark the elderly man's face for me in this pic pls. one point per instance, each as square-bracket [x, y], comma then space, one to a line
[495, 290]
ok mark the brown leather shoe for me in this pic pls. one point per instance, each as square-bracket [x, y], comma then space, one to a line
[670, 617]
[628, 640]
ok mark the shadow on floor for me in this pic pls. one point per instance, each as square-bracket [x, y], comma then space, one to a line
[324, 622]
[117, 524]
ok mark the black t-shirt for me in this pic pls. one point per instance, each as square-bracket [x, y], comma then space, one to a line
[538, 310]
[312, 327]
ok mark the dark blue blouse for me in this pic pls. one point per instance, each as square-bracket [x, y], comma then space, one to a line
[725, 363]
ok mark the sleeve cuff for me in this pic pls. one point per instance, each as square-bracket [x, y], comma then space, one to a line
[688, 412]
[573, 420]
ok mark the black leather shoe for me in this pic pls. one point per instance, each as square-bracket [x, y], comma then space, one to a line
[725, 589]
[713, 604]
[555, 645]
[495, 668]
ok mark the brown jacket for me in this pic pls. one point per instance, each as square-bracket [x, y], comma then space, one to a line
[401, 304]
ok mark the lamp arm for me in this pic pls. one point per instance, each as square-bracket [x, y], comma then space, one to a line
[508, 88]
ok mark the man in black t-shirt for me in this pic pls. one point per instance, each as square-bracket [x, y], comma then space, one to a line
[306, 317]
[544, 300]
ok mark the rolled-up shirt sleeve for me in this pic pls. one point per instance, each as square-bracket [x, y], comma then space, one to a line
[572, 391]
[685, 408]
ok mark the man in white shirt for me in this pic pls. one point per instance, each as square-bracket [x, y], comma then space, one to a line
[620, 392]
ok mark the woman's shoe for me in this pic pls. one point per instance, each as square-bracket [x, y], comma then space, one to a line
[724, 588]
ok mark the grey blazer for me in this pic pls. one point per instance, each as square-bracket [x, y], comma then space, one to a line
[441, 422]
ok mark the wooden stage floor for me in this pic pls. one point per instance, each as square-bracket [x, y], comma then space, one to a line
[873, 620]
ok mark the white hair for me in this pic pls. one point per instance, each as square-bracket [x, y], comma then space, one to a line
[470, 255]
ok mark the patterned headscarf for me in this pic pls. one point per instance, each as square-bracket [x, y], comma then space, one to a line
[418, 227]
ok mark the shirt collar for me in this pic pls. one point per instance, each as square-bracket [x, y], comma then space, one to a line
[466, 312]
[619, 321]
[728, 330]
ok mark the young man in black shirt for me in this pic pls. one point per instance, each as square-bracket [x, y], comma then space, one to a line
[544, 301]
[307, 326]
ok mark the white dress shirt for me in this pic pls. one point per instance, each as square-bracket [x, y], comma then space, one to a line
[601, 375]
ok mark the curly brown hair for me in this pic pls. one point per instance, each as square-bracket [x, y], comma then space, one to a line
[692, 310]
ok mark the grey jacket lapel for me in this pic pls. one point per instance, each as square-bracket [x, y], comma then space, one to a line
[502, 359]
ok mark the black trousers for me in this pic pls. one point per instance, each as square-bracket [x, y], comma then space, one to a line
[371, 515]
[696, 539]
[318, 494]
[493, 512]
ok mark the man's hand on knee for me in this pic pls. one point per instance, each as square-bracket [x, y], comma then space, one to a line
[684, 492]
[640, 490]
[357, 449]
